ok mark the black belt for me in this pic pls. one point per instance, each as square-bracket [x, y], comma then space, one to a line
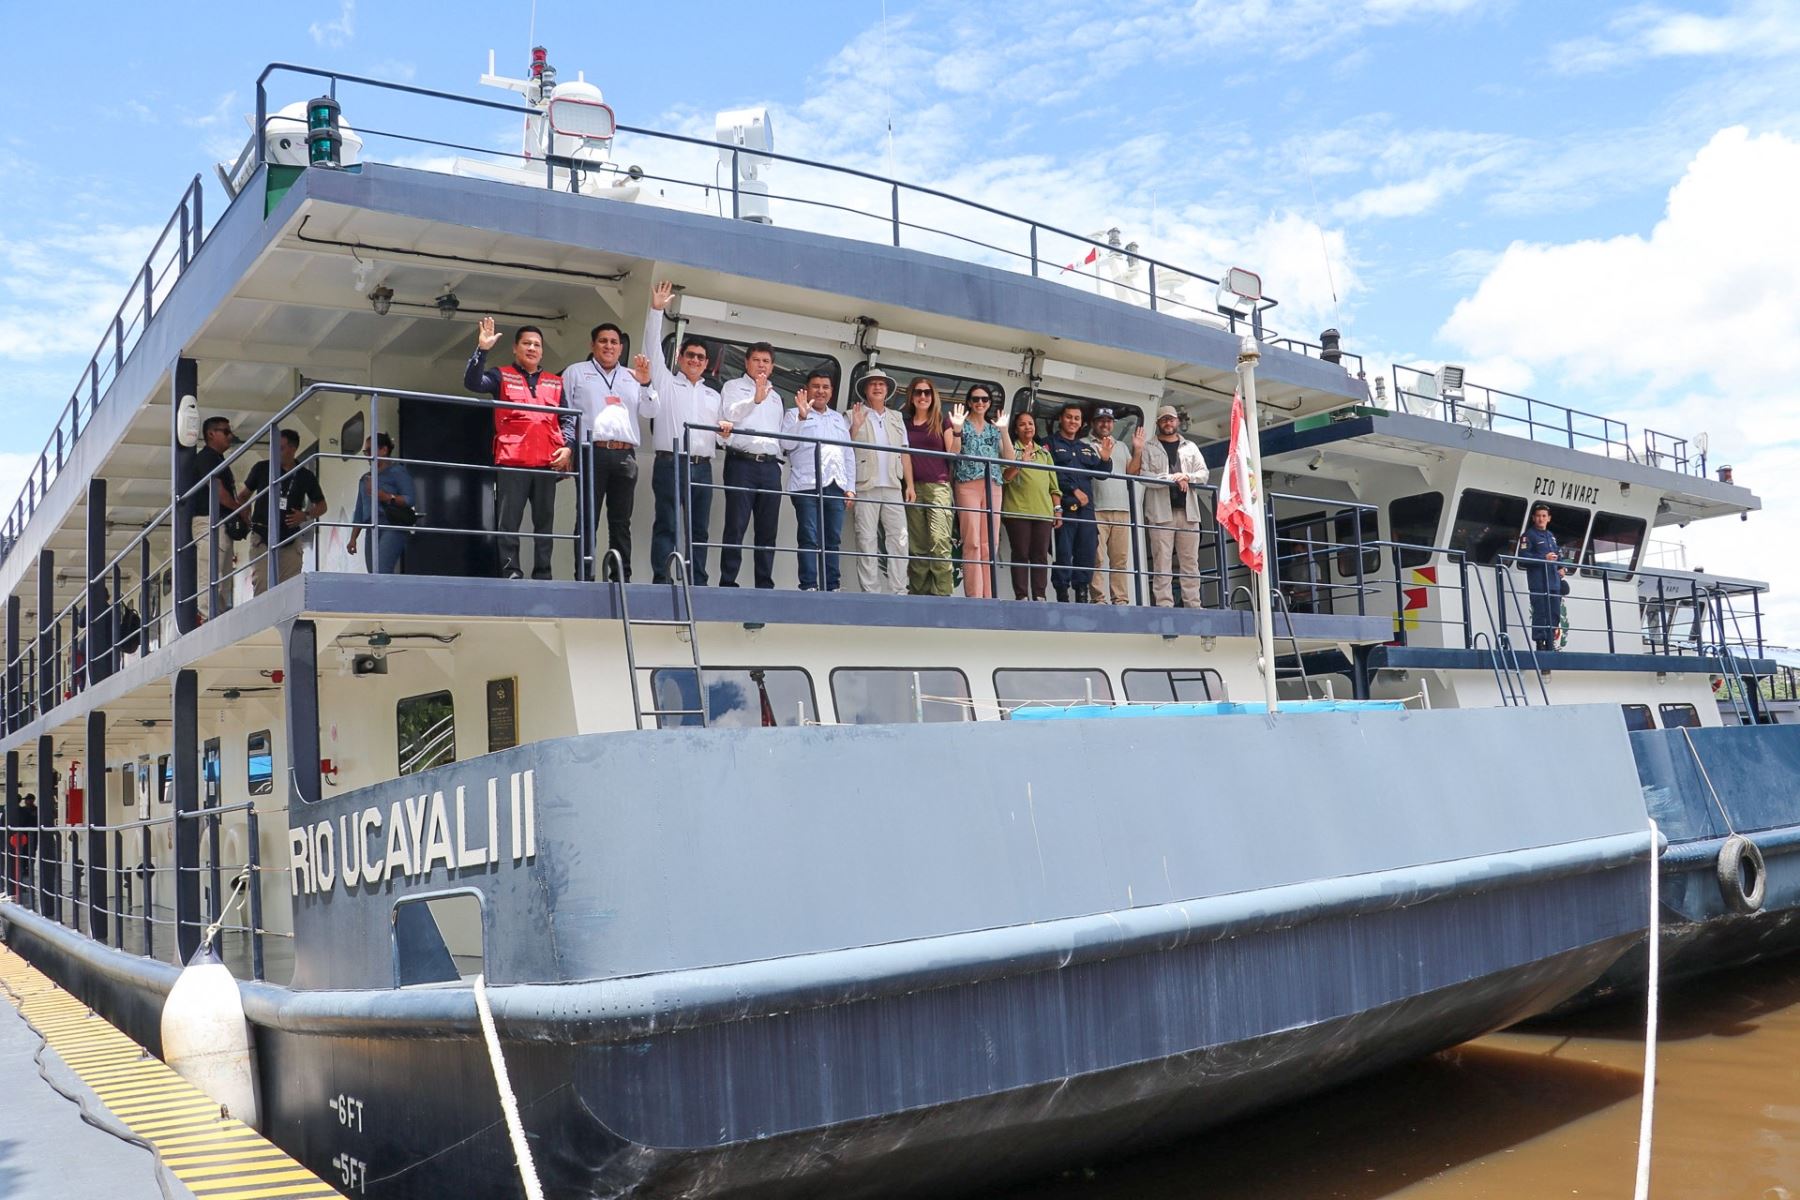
[755, 458]
[682, 454]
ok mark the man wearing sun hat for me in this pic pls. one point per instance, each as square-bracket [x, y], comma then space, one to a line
[883, 483]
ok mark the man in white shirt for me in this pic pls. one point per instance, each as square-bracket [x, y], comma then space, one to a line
[1112, 509]
[883, 481]
[752, 408]
[683, 456]
[610, 399]
[821, 479]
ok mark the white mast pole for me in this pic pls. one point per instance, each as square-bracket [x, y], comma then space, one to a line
[1249, 354]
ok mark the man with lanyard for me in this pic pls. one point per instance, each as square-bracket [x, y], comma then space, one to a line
[209, 459]
[752, 408]
[821, 479]
[610, 400]
[1076, 538]
[299, 499]
[1112, 508]
[681, 400]
[526, 441]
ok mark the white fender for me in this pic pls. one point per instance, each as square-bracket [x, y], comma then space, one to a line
[206, 1039]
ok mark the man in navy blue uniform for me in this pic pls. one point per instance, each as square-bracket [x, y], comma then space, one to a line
[1543, 578]
[1077, 538]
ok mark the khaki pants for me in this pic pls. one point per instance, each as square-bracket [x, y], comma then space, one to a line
[292, 560]
[207, 568]
[881, 507]
[1115, 553]
[1178, 537]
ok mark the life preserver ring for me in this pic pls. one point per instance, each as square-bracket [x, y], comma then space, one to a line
[1742, 879]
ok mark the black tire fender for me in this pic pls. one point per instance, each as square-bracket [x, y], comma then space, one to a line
[1743, 882]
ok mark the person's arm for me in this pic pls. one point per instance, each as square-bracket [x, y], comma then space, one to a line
[661, 378]
[400, 485]
[316, 509]
[569, 422]
[790, 425]
[1137, 452]
[648, 402]
[1201, 473]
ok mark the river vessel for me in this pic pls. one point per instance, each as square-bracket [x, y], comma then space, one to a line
[771, 890]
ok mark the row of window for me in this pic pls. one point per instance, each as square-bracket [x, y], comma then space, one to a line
[1674, 716]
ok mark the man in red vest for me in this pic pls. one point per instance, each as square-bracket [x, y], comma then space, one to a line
[528, 439]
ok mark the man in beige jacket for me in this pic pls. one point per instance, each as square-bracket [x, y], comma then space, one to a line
[884, 481]
[1172, 510]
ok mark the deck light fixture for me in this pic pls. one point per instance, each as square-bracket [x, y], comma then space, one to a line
[1449, 381]
[381, 299]
[1239, 292]
[447, 304]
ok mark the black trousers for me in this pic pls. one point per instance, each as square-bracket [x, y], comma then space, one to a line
[615, 489]
[751, 489]
[512, 492]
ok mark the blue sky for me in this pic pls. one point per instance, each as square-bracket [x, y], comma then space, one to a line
[1590, 203]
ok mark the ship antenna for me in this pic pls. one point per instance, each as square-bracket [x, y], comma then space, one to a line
[531, 31]
[1324, 250]
[887, 99]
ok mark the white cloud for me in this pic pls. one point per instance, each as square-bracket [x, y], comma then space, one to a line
[1750, 29]
[1695, 326]
[58, 292]
[336, 32]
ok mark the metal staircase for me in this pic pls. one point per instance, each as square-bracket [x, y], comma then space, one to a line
[1503, 657]
[682, 601]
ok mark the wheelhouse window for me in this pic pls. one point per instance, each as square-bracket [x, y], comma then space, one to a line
[427, 731]
[1570, 525]
[725, 361]
[1167, 687]
[736, 697]
[1487, 525]
[1637, 717]
[1413, 522]
[899, 695]
[1678, 716]
[1349, 533]
[1615, 542]
[259, 756]
[1303, 547]
[951, 389]
[1017, 686]
[1047, 406]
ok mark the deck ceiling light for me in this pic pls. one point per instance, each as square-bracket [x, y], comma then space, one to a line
[381, 299]
[447, 304]
[1239, 292]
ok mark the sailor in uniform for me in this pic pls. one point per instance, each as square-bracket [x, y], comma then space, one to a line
[1543, 578]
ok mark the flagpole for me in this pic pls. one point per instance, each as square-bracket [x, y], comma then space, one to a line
[1249, 354]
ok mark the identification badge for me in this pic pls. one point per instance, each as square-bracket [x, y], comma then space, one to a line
[614, 400]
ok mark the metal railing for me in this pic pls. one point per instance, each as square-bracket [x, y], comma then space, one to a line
[169, 258]
[104, 880]
[1416, 392]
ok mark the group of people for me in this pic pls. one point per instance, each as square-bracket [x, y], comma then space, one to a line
[908, 478]
[274, 519]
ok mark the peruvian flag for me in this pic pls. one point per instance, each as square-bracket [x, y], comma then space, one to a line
[1240, 494]
[1092, 255]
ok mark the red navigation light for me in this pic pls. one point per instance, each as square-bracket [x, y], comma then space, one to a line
[540, 58]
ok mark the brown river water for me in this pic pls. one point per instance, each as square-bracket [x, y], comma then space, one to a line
[1548, 1110]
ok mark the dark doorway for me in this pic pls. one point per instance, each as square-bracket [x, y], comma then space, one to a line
[450, 497]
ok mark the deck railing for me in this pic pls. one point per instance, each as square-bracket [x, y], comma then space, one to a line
[1416, 392]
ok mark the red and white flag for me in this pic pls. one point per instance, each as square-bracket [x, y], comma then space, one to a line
[1092, 255]
[1240, 494]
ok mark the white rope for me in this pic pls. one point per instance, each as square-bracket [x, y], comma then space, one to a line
[509, 1105]
[1642, 1191]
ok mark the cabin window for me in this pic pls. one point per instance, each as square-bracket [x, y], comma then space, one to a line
[725, 361]
[1348, 534]
[165, 778]
[950, 388]
[900, 695]
[1615, 542]
[736, 697]
[1487, 525]
[1047, 406]
[1303, 547]
[1678, 716]
[1413, 522]
[1570, 525]
[1016, 686]
[427, 731]
[259, 757]
[1637, 717]
[1168, 687]
[350, 437]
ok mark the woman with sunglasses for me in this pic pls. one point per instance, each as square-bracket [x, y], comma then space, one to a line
[1031, 509]
[977, 487]
[928, 519]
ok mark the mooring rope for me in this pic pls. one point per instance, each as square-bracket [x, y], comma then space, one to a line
[509, 1105]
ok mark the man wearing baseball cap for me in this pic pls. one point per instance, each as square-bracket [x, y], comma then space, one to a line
[1112, 509]
[1172, 507]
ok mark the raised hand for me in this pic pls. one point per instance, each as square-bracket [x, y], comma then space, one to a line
[762, 391]
[859, 416]
[640, 369]
[1106, 447]
[488, 337]
[660, 295]
[957, 416]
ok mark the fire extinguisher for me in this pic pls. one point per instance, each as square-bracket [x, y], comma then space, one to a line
[72, 805]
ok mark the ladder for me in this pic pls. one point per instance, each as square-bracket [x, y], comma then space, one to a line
[1278, 598]
[681, 598]
[1737, 684]
[1503, 656]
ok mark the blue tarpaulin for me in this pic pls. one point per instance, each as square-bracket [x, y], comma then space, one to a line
[1200, 708]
